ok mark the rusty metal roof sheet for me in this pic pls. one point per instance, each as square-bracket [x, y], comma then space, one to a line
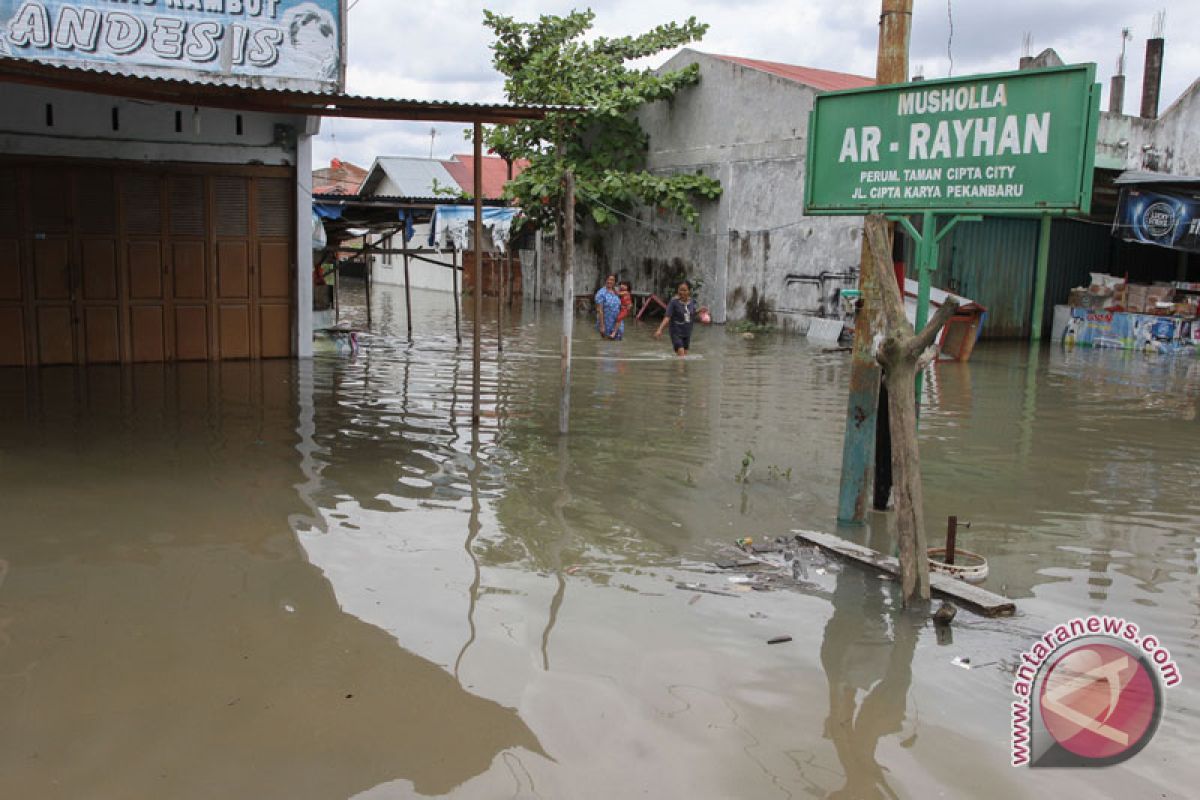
[823, 79]
[228, 94]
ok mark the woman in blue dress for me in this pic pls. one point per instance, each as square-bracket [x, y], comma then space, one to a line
[608, 307]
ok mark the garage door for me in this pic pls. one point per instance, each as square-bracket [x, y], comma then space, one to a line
[115, 263]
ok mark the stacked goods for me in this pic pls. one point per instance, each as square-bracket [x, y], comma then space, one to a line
[1159, 299]
[1135, 298]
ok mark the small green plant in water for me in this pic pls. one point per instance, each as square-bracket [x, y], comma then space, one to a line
[777, 474]
[743, 475]
[746, 326]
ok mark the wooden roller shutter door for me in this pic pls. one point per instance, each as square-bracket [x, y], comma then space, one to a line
[13, 292]
[107, 263]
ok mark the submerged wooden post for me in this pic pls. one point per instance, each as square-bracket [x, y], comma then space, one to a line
[370, 262]
[499, 269]
[478, 243]
[407, 289]
[454, 283]
[951, 538]
[567, 252]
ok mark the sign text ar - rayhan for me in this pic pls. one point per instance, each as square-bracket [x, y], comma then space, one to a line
[955, 138]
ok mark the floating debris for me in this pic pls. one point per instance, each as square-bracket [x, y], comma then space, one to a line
[695, 587]
[962, 661]
[779, 640]
[945, 613]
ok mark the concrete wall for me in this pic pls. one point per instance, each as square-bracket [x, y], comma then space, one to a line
[82, 128]
[749, 130]
[1168, 144]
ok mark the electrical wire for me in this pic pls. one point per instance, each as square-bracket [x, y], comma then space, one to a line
[950, 38]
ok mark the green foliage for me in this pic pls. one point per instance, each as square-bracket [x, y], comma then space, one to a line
[779, 474]
[743, 475]
[554, 61]
[746, 326]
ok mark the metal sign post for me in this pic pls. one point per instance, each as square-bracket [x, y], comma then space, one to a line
[928, 241]
[1016, 143]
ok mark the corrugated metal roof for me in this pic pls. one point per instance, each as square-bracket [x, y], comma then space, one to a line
[410, 176]
[1133, 176]
[823, 79]
[216, 92]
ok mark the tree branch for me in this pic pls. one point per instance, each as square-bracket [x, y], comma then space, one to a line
[940, 317]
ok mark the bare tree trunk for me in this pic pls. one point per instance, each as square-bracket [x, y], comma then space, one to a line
[900, 352]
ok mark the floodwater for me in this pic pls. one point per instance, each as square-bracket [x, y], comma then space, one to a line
[313, 580]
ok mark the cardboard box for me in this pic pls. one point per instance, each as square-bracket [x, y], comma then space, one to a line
[1135, 298]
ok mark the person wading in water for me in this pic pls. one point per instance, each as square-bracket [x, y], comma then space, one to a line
[680, 313]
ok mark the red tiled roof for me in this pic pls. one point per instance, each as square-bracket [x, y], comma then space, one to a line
[495, 173]
[340, 177]
[824, 79]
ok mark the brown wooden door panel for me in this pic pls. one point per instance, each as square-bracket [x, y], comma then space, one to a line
[98, 261]
[233, 271]
[145, 270]
[10, 269]
[102, 334]
[51, 259]
[233, 331]
[190, 276]
[12, 337]
[50, 205]
[147, 336]
[191, 333]
[274, 270]
[54, 335]
[275, 330]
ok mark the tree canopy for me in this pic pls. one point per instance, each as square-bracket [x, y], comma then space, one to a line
[554, 61]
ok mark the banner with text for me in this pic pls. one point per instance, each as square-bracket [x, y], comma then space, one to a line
[280, 44]
[1012, 142]
[1167, 219]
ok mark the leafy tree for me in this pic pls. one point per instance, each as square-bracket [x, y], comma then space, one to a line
[554, 61]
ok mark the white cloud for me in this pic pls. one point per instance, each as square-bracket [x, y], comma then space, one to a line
[439, 49]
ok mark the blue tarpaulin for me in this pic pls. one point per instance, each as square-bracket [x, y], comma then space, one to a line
[328, 210]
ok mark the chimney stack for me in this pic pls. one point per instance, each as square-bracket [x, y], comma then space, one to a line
[1152, 77]
[1116, 95]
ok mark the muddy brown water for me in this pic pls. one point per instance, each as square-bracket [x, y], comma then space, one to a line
[311, 580]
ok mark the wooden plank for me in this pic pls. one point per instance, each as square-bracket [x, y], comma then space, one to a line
[981, 601]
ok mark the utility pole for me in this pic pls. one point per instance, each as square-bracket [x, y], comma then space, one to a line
[858, 445]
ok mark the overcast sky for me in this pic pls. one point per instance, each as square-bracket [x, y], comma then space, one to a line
[438, 49]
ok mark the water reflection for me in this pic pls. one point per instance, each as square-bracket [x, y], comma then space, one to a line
[159, 614]
[867, 654]
[503, 592]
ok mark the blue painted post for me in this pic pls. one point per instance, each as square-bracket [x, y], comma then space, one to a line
[927, 251]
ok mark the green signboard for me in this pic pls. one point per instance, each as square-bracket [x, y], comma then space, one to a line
[1013, 142]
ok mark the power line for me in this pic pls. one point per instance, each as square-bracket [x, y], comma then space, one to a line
[950, 38]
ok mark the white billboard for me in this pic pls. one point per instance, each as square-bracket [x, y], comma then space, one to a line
[279, 44]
